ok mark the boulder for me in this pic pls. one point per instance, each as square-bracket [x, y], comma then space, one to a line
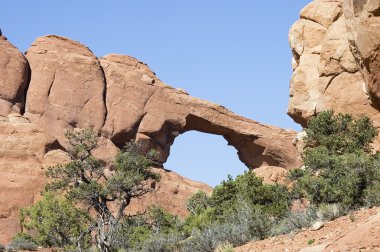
[67, 86]
[14, 72]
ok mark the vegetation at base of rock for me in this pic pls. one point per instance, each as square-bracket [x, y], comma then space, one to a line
[22, 242]
[85, 181]
[341, 174]
[57, 222]
[340, 166]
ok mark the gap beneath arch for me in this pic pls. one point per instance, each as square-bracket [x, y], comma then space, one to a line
[204, 158]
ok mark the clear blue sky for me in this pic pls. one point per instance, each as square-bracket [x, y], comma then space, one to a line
[233, 53]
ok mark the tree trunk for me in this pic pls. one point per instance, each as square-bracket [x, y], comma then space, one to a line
[104, 247]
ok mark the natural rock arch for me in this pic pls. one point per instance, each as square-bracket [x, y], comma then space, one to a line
[158, 113]
[122, 99]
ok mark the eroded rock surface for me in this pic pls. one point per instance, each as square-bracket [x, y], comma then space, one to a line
[67, 86]
[14, 76]
[363, 26]
[22, 150]
[328, 73]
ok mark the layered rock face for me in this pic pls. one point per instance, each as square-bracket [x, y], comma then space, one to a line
[334, 64]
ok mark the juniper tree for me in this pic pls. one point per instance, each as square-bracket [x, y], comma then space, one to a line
[85, 181]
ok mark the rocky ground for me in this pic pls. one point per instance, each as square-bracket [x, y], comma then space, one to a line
[359, 231]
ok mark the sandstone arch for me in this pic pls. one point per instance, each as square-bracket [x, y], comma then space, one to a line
[121, 98]
[140, 106]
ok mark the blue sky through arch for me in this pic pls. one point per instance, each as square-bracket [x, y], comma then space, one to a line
[202, 160]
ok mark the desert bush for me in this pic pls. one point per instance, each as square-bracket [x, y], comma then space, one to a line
[210, 238]
[339, 164]
[199, 221]
[372, 195]
[272, 199]
[243, 223]
[198, 203]
[162, 243]
[57, 222]
[294, 221]
[161, 221]
[327, 212]
[226, 247]
[22, 242]
[131, 234]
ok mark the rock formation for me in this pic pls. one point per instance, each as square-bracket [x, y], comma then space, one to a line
[334, 59]
[22, 151]
[121, 99]
[158, 113]
[66, 88]
[14, 72]
[363, 25]
[139, 106]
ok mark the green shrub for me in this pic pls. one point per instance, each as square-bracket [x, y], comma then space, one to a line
[22, 242]
[294, 221]
[162, 243]
[162, 221]
[272, 199]
[199, 221]
[339, 165]
[57, 222]
[131, 234]
[226, 247]
[372, 195]
[310, 242]
[198, 203]
[327, 212]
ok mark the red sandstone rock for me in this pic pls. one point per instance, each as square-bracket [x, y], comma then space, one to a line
[158, 113]
[14, 72]
[336, 69]
[67, 90]
[22, 149]
[67, 86]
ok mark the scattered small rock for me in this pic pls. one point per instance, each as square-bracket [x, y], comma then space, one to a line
[317, 225]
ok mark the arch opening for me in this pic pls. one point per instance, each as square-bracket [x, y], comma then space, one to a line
[204, 158]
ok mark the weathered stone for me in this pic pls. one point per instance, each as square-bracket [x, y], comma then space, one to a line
[324, 12]
[363, 25]
[22, 149]
[328, 78]
[272, 174]
[67, 86]
[14, 72]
